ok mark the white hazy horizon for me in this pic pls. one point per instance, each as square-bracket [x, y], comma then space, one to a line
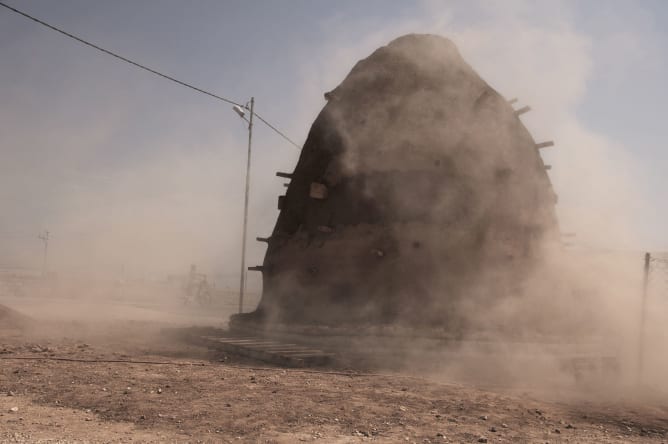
[129, 171]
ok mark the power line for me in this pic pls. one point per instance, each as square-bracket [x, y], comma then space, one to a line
[279, 132]
[145, 68]
[101, 361]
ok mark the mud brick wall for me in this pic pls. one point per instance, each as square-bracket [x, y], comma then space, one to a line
[418, 190]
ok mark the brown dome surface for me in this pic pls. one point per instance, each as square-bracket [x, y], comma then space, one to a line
[418, 191]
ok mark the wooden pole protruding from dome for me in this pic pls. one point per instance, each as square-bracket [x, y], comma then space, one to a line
[547, 144]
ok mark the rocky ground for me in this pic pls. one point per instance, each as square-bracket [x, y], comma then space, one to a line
[131, 383]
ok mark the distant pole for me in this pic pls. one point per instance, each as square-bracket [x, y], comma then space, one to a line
[45, 238]
[643, 315]
[242, 283]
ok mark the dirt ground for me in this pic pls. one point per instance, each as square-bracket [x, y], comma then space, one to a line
[72, 383]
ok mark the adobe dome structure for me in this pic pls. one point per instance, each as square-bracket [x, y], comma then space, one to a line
[418, 193]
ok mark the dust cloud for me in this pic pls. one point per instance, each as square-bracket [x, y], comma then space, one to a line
[596, 281]
[587, 296]
[585, 291]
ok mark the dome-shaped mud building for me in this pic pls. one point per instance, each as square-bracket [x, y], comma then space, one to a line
[418, 192]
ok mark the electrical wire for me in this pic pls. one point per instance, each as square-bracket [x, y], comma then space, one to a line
[351, 374]
[98, 361]
[146, 68]
[280, 133]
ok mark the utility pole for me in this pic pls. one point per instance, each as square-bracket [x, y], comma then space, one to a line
[242, 281]
[44, 238]
[643, 315]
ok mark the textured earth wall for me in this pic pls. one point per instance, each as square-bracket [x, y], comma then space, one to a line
[418, 193]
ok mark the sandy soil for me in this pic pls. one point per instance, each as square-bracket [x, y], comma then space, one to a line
[61, 383]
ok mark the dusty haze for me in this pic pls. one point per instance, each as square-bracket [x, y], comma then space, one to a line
[182, 205]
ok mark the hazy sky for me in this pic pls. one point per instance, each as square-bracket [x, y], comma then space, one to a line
[129, 170]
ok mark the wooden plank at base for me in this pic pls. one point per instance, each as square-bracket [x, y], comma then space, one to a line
[269, 351]
[277, 346]
[223, 341]
[304, 352]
